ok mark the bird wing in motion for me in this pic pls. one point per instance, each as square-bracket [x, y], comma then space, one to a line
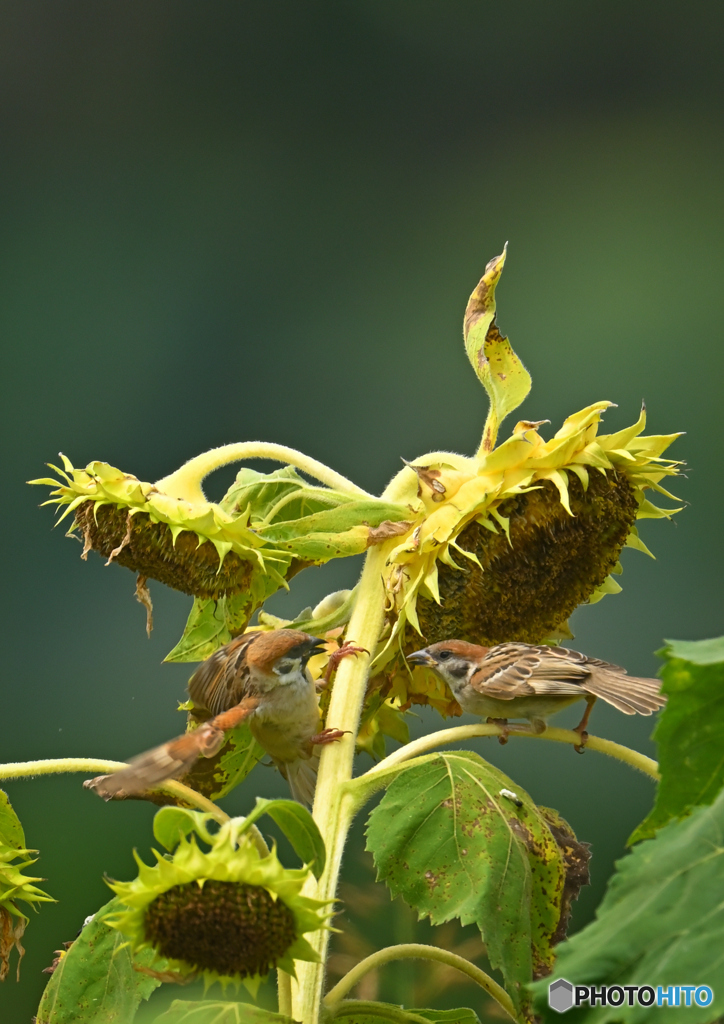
[175, 758]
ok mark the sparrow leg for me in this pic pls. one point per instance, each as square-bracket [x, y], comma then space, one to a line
[581, 727]
[347, 648]
[327, 736]
[503, 723]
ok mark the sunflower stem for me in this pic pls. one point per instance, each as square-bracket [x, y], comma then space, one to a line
[333, 806]
[418, 951]
[62, 765]
[185, 483]
[378, 776]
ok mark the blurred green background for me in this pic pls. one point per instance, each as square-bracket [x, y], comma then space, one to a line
[228, 221]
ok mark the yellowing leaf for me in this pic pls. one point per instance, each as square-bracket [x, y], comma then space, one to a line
[498, 368]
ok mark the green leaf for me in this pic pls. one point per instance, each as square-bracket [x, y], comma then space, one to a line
[182, 1011]
[170, 824]
[690, 732]
[372, 1012]
[333, 533]
[282, 494]
[95, 981]
[11, 831]
[210, 625]
[660, 923]
[497, 366]
[216, 776]
[699, 652]
[448, 839]
[298, 826]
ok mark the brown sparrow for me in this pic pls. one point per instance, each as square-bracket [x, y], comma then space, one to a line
[525, 681]
[261, 678]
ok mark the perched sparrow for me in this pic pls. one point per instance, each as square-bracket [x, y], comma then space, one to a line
[259, 677]
[523, 681]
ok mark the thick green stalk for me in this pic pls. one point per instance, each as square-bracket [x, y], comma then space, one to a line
[333, 806]
[418, 951]
[185, 483]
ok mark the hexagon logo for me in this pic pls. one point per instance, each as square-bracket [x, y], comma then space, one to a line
[560, 995]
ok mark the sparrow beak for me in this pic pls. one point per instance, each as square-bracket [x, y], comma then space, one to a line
[420, 658]
[315, 646]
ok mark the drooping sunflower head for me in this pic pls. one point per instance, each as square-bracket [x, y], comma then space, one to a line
[239, 551]
[230, 915]
[509, 543]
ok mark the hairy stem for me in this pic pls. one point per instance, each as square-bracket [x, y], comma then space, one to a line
[185, 483]
[333, 806]
[61, 765]
[363, 787]
[418, 951]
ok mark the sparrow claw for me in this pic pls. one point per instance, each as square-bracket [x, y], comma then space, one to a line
[502, 723]
[327, 736]
[347, 648]
[581, 747]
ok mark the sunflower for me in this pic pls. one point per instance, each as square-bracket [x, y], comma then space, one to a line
[230, 914]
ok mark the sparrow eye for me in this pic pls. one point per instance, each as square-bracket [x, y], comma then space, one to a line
[444, 655]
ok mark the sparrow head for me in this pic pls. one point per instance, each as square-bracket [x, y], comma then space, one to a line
[283, 653]
[454, 660]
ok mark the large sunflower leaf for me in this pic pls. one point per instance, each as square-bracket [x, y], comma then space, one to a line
[210, 625]
[455, 837]
[690, 732]
[660, 923]
[96, 979]
[498, 368]
[183, 1011]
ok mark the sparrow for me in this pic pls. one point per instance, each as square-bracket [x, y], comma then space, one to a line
[525, 681]
[261, 678]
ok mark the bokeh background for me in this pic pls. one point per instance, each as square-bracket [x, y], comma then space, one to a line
[228, 221]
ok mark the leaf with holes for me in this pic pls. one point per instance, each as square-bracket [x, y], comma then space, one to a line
[455, 837]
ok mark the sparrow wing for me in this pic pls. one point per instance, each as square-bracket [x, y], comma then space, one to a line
[505, 672]
[517, 670]
[221, 682]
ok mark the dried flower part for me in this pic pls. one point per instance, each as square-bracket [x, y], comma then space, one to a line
[15, 886]
[227, 927]
[229, 914]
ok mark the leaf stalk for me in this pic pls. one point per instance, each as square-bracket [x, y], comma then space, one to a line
[418, 951]
[185, 482]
